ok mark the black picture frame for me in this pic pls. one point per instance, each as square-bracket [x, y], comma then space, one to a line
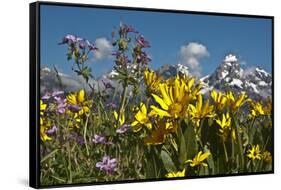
[34, 90]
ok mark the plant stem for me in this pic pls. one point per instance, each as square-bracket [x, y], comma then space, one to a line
[85, 135]
[124, 93]
[69, 163]
[49, 155]
[250, 131]
[232, 150]
[225, 151]
[241, 155]
[198, 134]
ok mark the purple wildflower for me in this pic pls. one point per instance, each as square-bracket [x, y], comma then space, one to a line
[107, 165]
[49, 95]
[91, 46]
[69, 39]
[99, 139]
[61, 104]
[142, 42]
[46, 96]
[121, 58]
[128, 29]
[116, 53]
[82, 43]
[111, 105]
[123, 128]
[78, 39]
[77, 138]
[125, 29]
[80, 140]
[143, 58]
[52, 130]
[72, 40]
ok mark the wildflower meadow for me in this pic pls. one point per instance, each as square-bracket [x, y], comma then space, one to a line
[151, 126]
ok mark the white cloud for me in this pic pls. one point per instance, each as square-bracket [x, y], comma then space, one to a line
[104, 49]
[191, 54]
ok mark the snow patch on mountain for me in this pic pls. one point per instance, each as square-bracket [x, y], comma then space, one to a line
[182, 69]
[236, 82]
[230, 58]
[230, 76]
[224, 74]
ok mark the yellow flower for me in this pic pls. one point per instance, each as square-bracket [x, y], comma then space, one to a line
[121, 118]
[44, 137]
[257, 109]
[219, 99]
[78, 98]
[225, 127]
[255, 153]
[266, 156]
[176, 174]
[141, 119]
[198, 159]
[170, 125]
[43, 128]
[268, 107]
[224, 123]
[152, 80]
[199, 111]
[42, 107]
[75, 121]
[236, 103]
[173, 100]
[158, 135]
[190, 87]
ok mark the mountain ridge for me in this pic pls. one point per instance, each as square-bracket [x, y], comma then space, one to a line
[228, 75]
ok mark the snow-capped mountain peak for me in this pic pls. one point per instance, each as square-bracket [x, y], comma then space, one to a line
[167, 70]
[230, 58]
[182, 69]
[230, 76]
[45, 69]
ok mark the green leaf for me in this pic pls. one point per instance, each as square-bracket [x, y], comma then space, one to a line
[211, 163]
[210, 121]
[191, 145]
[49, 155]
[167, 161]
[150, 166]
[182, 147]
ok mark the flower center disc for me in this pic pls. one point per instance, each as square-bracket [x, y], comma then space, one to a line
[175, 109]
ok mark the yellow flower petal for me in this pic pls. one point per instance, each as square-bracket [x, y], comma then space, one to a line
[71, 98]
[115, 115]
[81, 96]
[166, 98]
[160, 112]
[134, 123]
[160, 101]
[204, 156]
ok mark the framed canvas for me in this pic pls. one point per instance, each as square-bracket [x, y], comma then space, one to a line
[120, 94]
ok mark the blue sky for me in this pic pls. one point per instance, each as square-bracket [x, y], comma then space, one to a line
[249, 38]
